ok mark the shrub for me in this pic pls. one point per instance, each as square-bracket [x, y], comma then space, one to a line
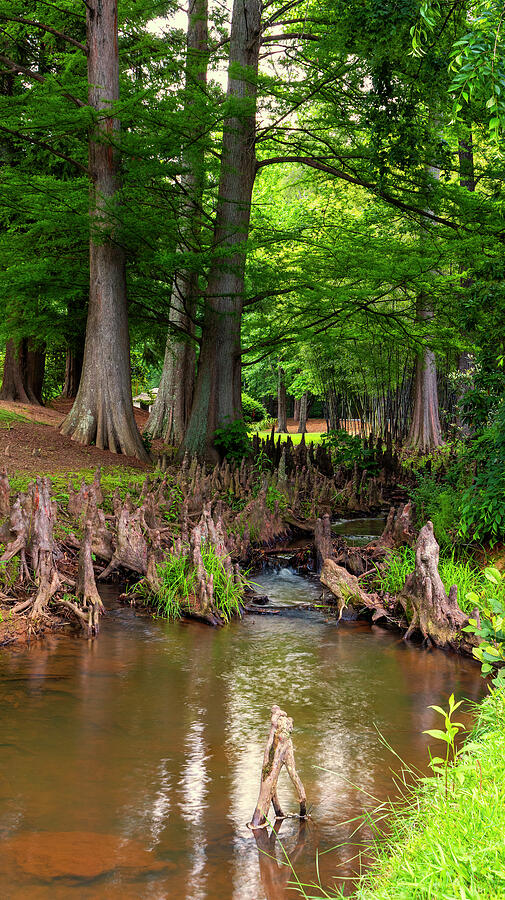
[252, 410]
[483, 502]
[348, 449]
[440, 503]
[232, 440]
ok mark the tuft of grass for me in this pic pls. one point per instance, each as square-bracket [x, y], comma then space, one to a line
[9, 418]
[176, 594]
[462, 573]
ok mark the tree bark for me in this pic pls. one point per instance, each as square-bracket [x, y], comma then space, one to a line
[73, 369]
[282, 425]
[278, 753]
[425, 433]
[103, 409]
[217, 398]
[302, 421]
[23, 373]
[296, 410]
[171, 410]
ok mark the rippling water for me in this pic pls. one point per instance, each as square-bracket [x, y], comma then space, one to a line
[130, 765]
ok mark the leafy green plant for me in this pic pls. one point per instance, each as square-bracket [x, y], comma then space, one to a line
[232, 440]
[348, 449]
[491, 627]
[440, 503]
[275, 497]
[266, 424]
[441, 765]
[252, 410]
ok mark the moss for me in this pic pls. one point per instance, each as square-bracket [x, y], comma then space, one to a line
[267, 768]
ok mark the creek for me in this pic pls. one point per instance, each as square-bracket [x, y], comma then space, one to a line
[129, 765]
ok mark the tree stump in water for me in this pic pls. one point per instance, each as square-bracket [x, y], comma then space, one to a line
[278, 753]
[434, 613]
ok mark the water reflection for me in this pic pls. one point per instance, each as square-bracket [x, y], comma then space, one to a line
[151, 738]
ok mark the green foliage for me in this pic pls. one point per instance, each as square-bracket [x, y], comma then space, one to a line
[176, 594]
[275, 498]
[348, 450]
[473, 586]
[252, 410]
[439, 503]
[491, 628]
[232, 440]
[265, 425]
[442, 765]
[483, 501]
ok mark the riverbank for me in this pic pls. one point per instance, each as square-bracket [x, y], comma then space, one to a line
[449, 847]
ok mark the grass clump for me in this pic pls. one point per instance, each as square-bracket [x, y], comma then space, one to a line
[467, 578]
[177, 591]
[451, 846]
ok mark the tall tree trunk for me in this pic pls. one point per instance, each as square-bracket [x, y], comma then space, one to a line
[334, 422]
[23, 372]
[103, 409]
[296, 410]
[425, 433]
[170, 412]
[217, 399]
[73, 369]
[302, 422]
[282, 425]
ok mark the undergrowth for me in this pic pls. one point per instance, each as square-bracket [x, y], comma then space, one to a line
[442, 843]
[467, 578]
[178, 584]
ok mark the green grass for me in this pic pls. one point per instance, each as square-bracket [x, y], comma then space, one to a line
[8, 419]
[312, 437]
[444, 847]
[178, 584]
[112, 478]
[462, 573]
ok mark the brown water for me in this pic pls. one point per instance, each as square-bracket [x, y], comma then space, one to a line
[129, 765]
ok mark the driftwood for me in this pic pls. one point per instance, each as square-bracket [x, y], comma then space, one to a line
[347, 591]
[278, 753]
[433, 613]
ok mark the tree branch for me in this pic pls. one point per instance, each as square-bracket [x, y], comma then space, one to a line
[60, 34]
[45, 146]
[338, 173]
[15, 67]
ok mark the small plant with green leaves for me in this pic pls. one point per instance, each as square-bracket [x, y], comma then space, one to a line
[491, 627]
[232, 440]
[275, 498]
[444, 765]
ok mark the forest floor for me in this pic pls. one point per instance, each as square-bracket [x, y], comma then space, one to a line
[30, 441]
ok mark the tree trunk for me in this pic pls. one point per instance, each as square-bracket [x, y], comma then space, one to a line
[23, 373]
[334, 422]
[171, 410]
[103, 409]
[302, 421]
[73, 369]
[425, 433]
[296, 410]
[282, 426]
[217, 398]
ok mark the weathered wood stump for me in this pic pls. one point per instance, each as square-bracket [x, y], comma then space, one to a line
[278, 753]
[432, 612]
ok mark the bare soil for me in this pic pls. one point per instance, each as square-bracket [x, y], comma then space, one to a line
[36, 446]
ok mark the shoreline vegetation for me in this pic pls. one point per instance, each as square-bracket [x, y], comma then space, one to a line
[444, 845]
